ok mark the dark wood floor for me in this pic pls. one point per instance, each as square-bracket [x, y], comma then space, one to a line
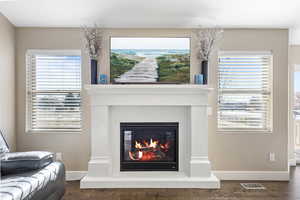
[230, 190]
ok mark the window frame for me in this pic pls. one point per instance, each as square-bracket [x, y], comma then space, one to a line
[28, 111]
[271, 93]
[296, 69]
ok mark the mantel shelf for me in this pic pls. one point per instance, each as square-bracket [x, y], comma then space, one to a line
[147, 89]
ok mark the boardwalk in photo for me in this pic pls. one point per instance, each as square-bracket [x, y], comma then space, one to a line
[145, 71]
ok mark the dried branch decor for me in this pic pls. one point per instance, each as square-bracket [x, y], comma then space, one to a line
[207, 40]
[93, 38]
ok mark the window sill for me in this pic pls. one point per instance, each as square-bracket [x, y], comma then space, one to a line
[53, 132]
[244, 131]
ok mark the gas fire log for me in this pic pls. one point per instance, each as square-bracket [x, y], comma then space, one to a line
[146, 153]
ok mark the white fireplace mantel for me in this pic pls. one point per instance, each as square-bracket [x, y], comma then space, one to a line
[112, 104]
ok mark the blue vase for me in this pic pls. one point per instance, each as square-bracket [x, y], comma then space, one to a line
[199, 79]
[103, 79]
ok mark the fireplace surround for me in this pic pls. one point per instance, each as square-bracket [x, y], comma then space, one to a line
[149, 146]
[111, 105]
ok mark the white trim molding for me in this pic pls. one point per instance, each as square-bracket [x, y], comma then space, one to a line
[53, 52]
[75, 175]
[251, 53]
[253, 175]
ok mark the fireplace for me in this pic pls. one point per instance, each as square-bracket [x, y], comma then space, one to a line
[184, 165]
[149, 147]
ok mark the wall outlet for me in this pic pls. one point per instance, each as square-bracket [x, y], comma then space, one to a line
[272, 157]
[209, 111]
[58, 156]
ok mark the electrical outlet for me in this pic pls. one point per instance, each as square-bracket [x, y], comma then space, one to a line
[59, 156]
[209, 111]
[272, 157]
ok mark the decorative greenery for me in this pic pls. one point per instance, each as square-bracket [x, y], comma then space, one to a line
[174, 68]
[207, 41]
[93, 39]
[120, 65]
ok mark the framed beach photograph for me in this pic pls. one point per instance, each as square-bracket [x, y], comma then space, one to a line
[149, 60]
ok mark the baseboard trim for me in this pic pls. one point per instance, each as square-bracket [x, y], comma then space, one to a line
[75, 175]
[253, 175]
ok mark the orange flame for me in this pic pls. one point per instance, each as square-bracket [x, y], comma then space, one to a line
[138, 145]
[145, 144]
[148, 151]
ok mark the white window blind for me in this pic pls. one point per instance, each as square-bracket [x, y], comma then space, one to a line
[53, 90]
[245, 91]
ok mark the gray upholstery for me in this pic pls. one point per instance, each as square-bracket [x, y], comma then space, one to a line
[45, 184]
[19, 162]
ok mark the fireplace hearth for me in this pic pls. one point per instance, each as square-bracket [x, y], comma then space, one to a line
[149, 146]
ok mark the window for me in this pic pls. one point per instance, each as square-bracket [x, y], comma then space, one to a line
[53, 91]
[245, 91]
[297, 92]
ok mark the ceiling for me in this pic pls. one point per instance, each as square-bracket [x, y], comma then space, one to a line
[153, 13]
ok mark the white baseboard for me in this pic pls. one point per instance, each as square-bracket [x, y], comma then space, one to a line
[222, 175]
[75, 175]
[253, 175]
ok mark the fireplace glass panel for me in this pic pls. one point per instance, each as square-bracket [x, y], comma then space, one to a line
[149, 146]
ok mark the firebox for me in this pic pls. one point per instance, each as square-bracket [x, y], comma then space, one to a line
[149, 147]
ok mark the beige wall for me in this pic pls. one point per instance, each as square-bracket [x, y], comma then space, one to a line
[239, 151]
[7, 81]
[249, 151]
[294, 55]
[74, 146]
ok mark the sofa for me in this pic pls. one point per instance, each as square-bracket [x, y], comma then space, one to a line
[30, 175]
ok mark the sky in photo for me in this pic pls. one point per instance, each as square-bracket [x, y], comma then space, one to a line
[149, 43]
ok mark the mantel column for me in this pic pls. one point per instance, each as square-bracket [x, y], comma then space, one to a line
[100, 163]
[199, 163]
